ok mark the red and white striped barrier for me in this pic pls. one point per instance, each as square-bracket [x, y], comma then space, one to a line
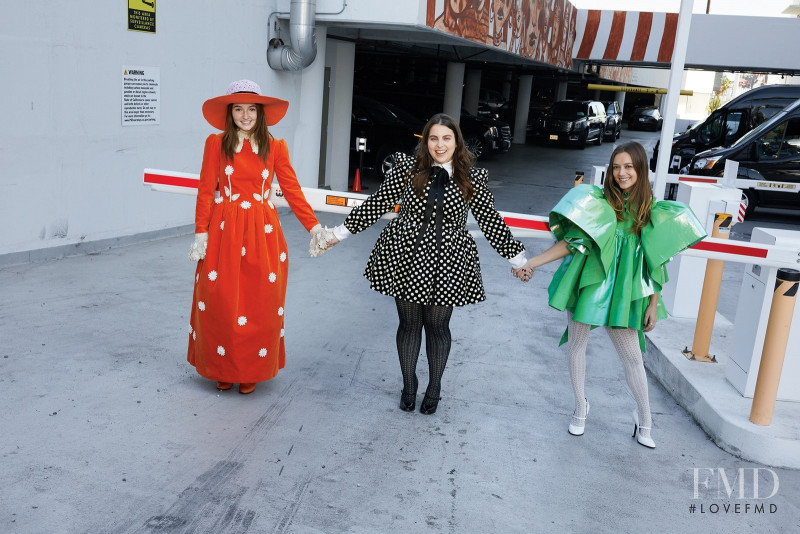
[523, 225]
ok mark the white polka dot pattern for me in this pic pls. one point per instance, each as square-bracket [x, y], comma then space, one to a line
[420, 272]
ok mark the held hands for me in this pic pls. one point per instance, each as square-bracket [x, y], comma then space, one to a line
[524, 273]
[322, 239]
[198, 250]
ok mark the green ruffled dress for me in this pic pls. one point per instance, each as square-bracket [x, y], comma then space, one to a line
[610, 273]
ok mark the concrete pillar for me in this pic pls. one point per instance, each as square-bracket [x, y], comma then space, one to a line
[305, 141]
[561, 91]
[619, 96]
[340, 59]
[472, 90]
[453, 85]
[523, 104]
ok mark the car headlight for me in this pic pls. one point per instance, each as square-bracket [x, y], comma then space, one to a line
[706, 163]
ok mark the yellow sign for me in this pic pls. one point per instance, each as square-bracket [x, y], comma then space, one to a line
[142, 16]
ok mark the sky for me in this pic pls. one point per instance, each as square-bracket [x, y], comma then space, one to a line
[765, 8]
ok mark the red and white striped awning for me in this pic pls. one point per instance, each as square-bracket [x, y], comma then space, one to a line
[625, 36]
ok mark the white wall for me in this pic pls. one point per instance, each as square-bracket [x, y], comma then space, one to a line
[71, 172]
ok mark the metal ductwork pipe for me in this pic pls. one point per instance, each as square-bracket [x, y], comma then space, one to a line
[302, 50]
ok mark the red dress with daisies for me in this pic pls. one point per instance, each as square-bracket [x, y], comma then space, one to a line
[236, 327]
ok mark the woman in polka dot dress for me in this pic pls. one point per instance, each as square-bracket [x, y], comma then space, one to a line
[236, 328]
[425, 258]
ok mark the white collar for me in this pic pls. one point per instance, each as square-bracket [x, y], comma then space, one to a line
[240, 144]
[448, 166]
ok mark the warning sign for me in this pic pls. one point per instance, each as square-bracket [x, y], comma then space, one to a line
[142, 16]
[141, 95]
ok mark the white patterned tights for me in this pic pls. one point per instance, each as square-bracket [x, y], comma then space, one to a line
[626, 341]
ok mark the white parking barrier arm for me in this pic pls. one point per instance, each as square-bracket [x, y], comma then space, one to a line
[521, 224]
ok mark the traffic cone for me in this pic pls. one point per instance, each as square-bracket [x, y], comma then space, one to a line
[356, 182]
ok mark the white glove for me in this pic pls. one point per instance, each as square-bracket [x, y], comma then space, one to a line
[320, 238]
[198, 250]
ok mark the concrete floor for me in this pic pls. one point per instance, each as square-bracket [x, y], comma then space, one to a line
[107, 429]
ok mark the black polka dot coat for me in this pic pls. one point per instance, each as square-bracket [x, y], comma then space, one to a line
[426, 255]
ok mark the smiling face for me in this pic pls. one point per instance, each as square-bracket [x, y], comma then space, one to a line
[623, 171]
[441, 143]
[244, 116]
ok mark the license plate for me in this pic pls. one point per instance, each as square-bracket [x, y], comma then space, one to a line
[553, 137]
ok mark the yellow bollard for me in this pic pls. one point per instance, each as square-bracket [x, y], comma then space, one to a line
[709, 297]
[578, 178]
[775, 341]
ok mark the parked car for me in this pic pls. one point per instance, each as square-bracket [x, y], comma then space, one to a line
[485, 135]
[386, 134]
[645, 119]
[613, 120]
[728, 123]
[769, 158]
[573, 121]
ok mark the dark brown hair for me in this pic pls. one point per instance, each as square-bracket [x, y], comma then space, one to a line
[640, 200]
[463, 159]
[259, 134]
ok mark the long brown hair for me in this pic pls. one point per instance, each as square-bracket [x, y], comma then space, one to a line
[640, 200]
[259, 134]
[463, 159]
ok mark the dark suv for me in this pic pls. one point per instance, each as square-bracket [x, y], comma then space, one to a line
[574, 122]
[613, 120]
[769, 161]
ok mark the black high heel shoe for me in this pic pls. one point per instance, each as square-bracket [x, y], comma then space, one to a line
[408, 401]
[429, 404]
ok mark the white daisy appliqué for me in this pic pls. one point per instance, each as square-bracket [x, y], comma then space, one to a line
[242, 320]
[229, 170]
[280, 311]
[245, 204]
[268, 228]
[262, 353]
[201, 306]
[212, 275]
[218, 200]
[273, 277]
[265, 174]
[221, 350]
[244, 251]
[283, 256]
[191, 329]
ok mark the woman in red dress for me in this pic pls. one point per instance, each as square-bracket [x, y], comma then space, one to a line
[237, 319]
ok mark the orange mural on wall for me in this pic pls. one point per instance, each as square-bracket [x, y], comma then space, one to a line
[542, 30]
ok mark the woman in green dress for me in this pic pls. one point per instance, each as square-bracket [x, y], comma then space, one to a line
[615, 242]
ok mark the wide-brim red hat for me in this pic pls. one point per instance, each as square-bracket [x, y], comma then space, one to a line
[215, 110]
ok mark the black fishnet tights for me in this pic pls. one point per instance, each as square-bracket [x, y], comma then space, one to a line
[436, 320]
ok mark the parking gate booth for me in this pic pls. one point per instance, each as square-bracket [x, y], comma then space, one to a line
[686, 274]
[752, 313]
